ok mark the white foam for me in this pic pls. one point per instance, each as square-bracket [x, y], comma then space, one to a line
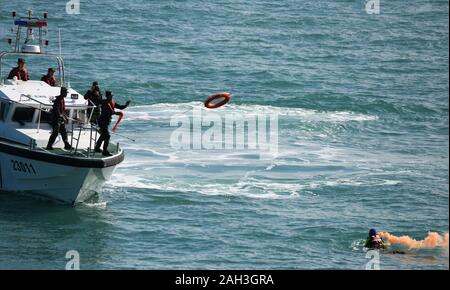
[391, 182]
[152, 164]
[163, 111]
[96, 204]
[247, 186]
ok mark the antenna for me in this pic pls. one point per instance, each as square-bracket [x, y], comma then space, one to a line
[59, 40]
[68, 72]
[60, 55]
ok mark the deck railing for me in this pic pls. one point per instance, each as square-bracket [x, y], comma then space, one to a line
[93, 133]
[82, 126]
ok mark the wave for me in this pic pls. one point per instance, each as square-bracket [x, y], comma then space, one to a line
[245, 187]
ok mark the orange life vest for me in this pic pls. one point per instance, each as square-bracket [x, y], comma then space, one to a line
[112, 106]
[51, 81]
[25, 72]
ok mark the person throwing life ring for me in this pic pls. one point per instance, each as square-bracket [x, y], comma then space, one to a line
[108, 108]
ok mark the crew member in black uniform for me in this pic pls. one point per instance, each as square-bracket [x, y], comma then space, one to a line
[94, 96]
[59, 119]
[108, 107]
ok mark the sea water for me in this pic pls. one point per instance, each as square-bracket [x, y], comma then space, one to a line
[362, 105]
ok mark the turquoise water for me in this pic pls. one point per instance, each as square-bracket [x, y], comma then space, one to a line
[362, 102]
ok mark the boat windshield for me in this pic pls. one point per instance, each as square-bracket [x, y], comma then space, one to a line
[23, 115]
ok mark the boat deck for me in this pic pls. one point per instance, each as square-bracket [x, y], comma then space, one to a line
[80, 158]
[81, 153]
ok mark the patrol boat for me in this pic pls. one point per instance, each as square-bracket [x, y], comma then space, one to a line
[26, 166]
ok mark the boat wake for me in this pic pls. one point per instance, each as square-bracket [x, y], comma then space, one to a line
[162, 111]
[151, 163]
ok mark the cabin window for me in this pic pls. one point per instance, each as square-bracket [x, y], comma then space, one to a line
[4, 109]
[80, 115]
[46, 117]
[23, 115]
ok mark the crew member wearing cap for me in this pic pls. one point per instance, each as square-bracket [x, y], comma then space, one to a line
[49, 78]
[20, 71]
[108, 107]
[59, 119]
[94, 96]
[93, 92]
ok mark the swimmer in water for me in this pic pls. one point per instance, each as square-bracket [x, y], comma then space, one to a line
[374, 241]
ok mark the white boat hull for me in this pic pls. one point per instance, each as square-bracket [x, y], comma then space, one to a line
[54, 181]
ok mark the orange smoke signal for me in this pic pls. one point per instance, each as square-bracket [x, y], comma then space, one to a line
[433, 240]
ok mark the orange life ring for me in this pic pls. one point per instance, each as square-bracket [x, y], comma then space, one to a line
[225, 96]
[121, 114]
